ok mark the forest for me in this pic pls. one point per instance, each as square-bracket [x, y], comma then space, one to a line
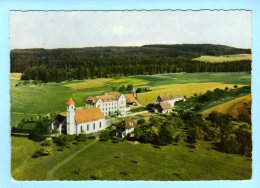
[56, 65]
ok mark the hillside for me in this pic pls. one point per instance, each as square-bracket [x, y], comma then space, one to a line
[241, 105]
[57, 65]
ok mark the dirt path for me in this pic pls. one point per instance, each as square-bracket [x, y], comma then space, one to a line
[51, 172]
[134, 114]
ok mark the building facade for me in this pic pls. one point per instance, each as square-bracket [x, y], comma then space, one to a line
[169, 99]
[125, 127]
[109, 103]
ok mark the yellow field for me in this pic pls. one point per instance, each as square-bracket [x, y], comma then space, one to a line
[179, 90]
[99, 82]
[233, 107]
[129, 80]
[224, 58]
[15, 76]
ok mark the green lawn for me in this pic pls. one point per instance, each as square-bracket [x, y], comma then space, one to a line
[24, 167]
[125, 161]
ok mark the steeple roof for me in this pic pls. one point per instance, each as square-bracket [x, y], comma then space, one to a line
[70, 102]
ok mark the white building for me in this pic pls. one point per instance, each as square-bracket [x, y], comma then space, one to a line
[76, 121]
[169, 99]
[109, 103]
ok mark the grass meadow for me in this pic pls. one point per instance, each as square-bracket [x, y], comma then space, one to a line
[33, 100]
[224, 58]
[126, 161]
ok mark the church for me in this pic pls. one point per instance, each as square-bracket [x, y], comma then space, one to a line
[76, 121]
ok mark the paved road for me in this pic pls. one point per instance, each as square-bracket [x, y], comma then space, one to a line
[51, 172]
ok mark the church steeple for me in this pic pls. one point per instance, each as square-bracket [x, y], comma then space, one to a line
[70, 102]
[70, 116]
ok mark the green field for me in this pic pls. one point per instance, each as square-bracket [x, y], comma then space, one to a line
[224, 58]
[33, 100]
[126, 161]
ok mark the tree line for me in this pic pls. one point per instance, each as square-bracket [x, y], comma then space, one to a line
[192, 128]
[56, 65]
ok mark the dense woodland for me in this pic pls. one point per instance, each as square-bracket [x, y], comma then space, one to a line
[55, 65]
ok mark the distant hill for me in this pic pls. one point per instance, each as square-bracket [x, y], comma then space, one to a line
[91, 62]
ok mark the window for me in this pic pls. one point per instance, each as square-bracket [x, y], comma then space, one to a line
[87, 128]
[100, 124]
[94, 126]
[81, 128]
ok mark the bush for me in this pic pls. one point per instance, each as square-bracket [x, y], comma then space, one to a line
[46, 142]
[114, 141]
[43, 151]
[92, 137]
[81, 137]
[140, 121]
[97, 175]
[124, 173]
[105, 135]
[63, 140]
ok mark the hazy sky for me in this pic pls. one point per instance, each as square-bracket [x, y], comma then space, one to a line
[66, 29]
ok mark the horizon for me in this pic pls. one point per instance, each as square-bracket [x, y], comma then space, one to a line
[129, 46]
[78, 29]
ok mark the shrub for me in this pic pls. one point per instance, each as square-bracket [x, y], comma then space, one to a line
[43, 151]
[63, 140]
[81, 137]
[46, 142]
[92, 137]
[124, 173]
[105, 135]
[114, 141]
[97, 175]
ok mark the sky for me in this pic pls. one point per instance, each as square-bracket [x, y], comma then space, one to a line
[71, 29]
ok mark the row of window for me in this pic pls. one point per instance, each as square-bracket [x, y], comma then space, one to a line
[94, 126]
[105, 109]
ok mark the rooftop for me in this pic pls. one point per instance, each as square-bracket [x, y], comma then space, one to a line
[88, 114]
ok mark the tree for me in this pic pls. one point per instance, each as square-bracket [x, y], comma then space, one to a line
[195, 134]
[244, 138]
[180, 137]
[41, 130]
[105, 135]
[122, 89]
[166, 133]
[129, 87]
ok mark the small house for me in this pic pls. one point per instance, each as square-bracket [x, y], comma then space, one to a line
[163, 107]
[169, 99]
[125, 127]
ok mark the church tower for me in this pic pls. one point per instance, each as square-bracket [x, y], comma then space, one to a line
[71, 126]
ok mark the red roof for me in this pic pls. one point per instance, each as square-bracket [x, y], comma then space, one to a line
[70, 102]
[130, 98]
[88, 114]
